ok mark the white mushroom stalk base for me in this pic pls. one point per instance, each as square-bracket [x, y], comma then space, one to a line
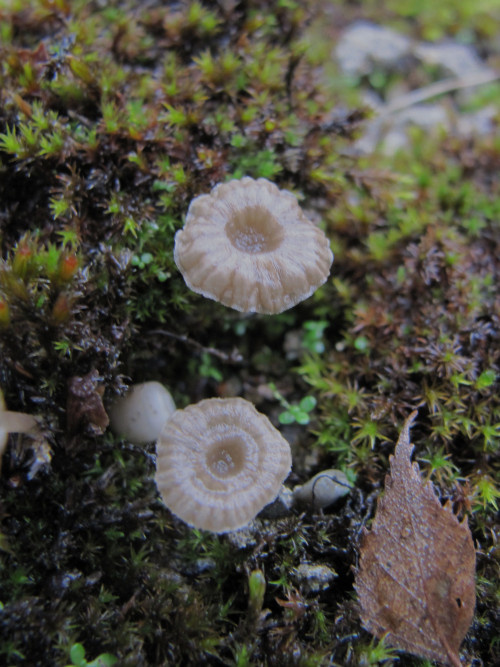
[17, 422]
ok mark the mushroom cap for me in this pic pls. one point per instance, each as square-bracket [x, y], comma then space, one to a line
[219, 462]
[140, 416]
[248, 245]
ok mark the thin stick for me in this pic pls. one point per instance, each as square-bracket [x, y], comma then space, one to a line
[234, 358]
[438, 88]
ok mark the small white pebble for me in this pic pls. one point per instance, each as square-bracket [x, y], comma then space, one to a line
[314, 578]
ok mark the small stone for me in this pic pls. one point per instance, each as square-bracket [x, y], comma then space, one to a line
[244, 538]
[322, 490]
[429, 117]
[280, 507]
[364, 43]
[293, 344]
[455, 59]
[480, 123]
[199, 566]
[314, 578]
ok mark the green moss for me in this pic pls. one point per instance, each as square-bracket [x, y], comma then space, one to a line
[112, 118]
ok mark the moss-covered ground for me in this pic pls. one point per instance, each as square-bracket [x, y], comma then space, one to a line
[113, 116]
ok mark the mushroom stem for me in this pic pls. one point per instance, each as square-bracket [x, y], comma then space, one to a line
[17, 422]
[13, 422]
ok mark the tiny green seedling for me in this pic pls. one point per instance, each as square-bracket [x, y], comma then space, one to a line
[312, 339]
[208, 369]
[294, 413]
[77, 657]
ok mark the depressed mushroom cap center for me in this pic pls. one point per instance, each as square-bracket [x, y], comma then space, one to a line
[219, 462]
[226, 459]
[253, 230]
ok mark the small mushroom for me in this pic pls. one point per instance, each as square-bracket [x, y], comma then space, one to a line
[248, 245]
[140, 416]
[323, 489]
[219, 462]
[13, 422]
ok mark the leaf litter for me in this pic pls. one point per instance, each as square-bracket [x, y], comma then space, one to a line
[416, 575]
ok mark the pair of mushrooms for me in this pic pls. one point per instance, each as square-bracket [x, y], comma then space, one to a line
[219, 461]
[249, 246]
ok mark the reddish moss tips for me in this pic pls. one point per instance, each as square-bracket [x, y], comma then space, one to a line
[68, 266]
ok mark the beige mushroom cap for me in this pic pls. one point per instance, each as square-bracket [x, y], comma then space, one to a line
[248, 245]
[219, 462]
[140, 415]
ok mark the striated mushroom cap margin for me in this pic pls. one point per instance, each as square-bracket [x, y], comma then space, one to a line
[249, 246]
[219, 462]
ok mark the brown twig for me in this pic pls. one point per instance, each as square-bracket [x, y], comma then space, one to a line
[438, 88]
[233, 358]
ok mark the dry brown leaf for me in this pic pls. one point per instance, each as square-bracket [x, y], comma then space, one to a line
[415, 580]
[84, 408]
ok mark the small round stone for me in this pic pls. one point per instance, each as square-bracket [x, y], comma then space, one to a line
[323, 489]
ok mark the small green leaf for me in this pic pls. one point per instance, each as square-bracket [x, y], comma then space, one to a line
[286, 418]
[256, 591]
[81, 70]
[77, 655]
[103, 660]
[486, 379]
[302, 418]
[361, 344]
[308, 403]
